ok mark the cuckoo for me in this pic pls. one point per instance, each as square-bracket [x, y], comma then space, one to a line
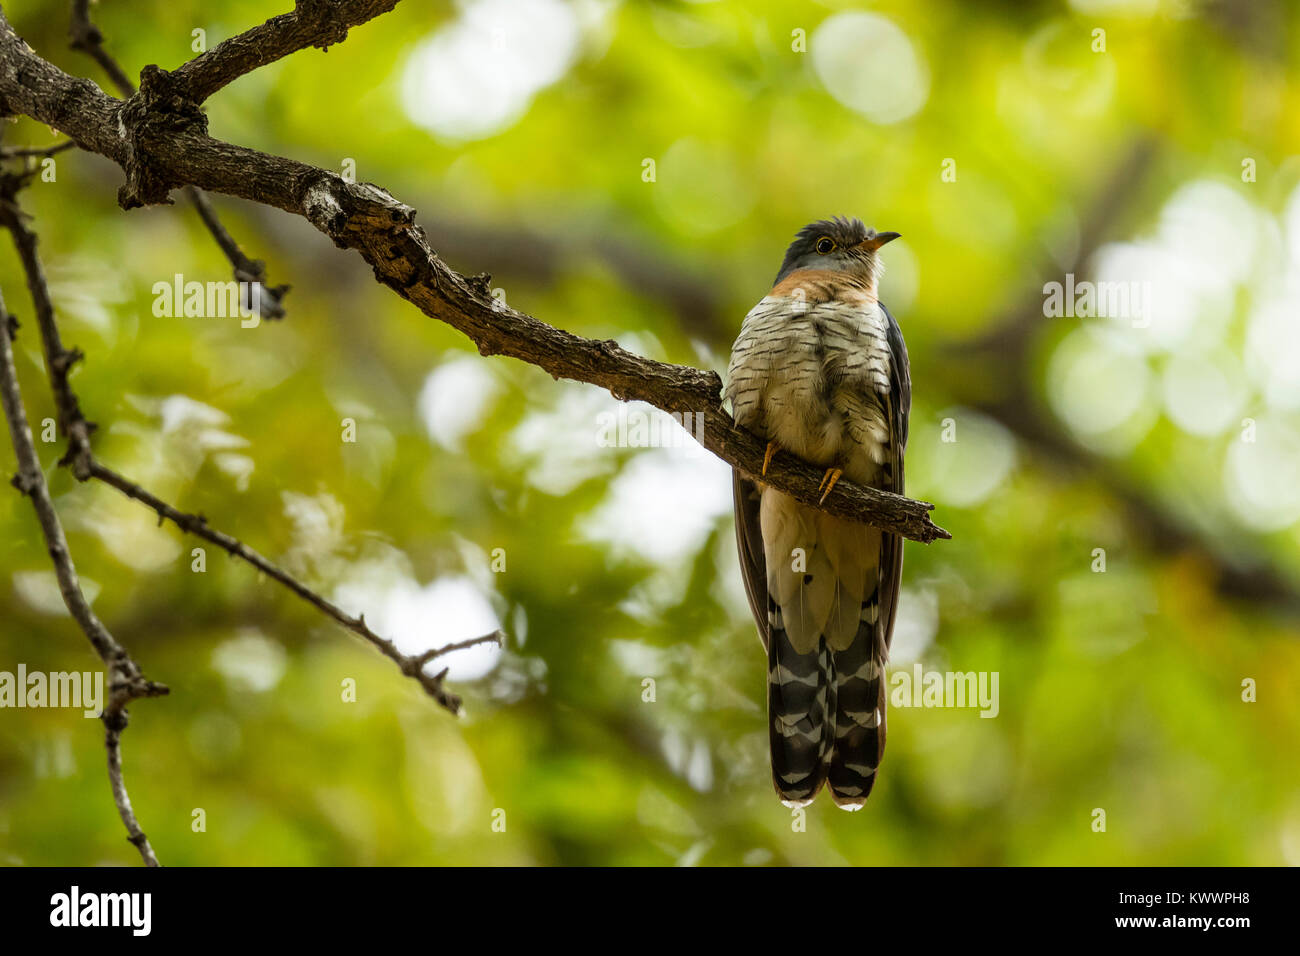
[819, 371]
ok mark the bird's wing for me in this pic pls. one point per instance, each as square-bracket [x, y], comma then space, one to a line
[749, 545]
[859, 669]
[900, 410]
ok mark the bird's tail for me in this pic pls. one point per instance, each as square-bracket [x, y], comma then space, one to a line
[800, 709]
[858, 682]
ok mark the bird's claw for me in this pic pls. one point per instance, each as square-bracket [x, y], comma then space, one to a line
[828, 482]
[767, 457]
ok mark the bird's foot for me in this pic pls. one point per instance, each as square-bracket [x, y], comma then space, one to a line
[767, 457]
[828, 482]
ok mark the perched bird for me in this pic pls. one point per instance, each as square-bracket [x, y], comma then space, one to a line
[820, 371]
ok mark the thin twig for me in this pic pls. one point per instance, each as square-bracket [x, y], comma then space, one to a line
[87, 38]
[16, 152]
[126, 681]
[113, 745]
[59, 361]
[80, 458]
[411, 665]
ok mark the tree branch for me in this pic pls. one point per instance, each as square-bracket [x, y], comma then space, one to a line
[313, 23]
[84, 465]
[59, 361]
[126, 681]
[87, 38]
[411, 665]
[160, 140]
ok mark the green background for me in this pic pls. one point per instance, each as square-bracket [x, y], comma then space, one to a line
[1120, 690]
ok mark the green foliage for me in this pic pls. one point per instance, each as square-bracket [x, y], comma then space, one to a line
[1119, 690]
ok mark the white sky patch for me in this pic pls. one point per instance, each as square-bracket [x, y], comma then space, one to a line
[557, 448]
[39, 590]
[250, 662]
[728, 589]
[915, 626]
[419, 617]
[478, 74]
[1208, 242]
[662, 505]
[140, 544]
[454, 399]
[1094, 388]
[1203, 395]
[869, 65]
[1210, 224]
[968, 470]
[88, 288]
[1260, 476]
[1273, 346]
[689, 759]
[1291, 222]
[639, 658]
[178, 412]
[1175, 302]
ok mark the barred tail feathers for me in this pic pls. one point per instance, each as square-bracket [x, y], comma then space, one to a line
[800, 709]
[859, 715]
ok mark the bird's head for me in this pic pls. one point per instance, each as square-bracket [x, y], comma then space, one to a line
[839, 244]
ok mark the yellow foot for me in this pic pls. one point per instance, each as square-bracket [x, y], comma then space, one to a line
[767, 457]
[828, 482]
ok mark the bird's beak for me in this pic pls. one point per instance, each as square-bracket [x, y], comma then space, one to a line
[872, 243]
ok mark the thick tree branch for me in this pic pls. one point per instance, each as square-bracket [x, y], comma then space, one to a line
[126, 681]
[160, 139]
[313, 23]
[87, 38]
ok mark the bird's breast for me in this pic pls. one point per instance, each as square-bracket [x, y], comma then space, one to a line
[812, 377]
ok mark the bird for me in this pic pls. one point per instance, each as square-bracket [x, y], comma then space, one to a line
[820, 371]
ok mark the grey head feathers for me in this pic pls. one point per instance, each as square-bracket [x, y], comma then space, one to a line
[839, 244]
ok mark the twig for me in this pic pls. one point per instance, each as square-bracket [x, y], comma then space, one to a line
[126, 681]
[84, 465]
[411, 665]
[59, 360]
[87, 38]
[15, 152]
[158, 157]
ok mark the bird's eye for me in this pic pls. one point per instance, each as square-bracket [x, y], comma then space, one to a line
[825, 245]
